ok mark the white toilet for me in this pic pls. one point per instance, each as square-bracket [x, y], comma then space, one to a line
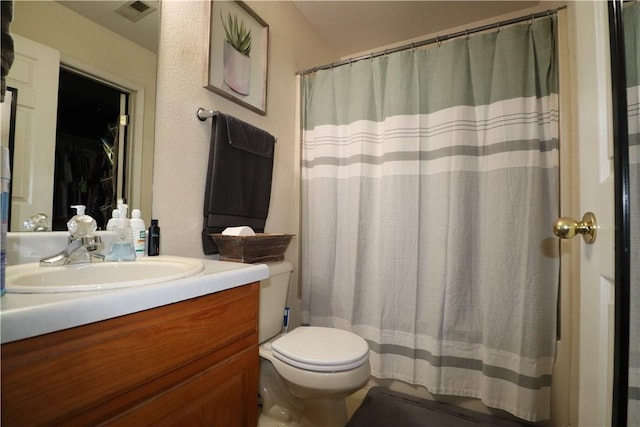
[306, 374]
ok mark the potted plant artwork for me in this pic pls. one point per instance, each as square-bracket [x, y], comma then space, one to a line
[236, 54]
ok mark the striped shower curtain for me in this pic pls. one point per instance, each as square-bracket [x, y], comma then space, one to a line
[631, 16]
[429, 186]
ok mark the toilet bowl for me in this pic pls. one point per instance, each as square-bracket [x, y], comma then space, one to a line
[306, 374]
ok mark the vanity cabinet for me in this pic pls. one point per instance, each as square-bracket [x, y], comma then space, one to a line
[191, 363]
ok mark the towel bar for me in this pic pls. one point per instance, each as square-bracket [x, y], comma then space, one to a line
[203, 114]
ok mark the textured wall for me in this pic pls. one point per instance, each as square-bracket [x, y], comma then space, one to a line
[182, 141]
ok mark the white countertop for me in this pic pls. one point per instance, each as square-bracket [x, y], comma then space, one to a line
[27, 315]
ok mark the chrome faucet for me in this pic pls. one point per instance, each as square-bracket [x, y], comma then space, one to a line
[83, 246]
[79, 250]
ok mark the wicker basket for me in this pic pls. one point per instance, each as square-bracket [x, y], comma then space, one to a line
[262, 247]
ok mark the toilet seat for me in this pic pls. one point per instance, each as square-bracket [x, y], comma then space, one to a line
[321, 349]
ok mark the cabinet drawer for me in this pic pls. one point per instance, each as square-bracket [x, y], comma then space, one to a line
[216, 397]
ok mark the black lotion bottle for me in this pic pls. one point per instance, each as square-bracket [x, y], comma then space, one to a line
[153, 239]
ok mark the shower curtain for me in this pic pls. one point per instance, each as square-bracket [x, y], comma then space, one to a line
[429, 186]
[631, 16]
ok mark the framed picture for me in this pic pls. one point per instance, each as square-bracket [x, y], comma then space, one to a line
[237, 54]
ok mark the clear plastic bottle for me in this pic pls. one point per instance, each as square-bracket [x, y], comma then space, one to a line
[81, 225]
[114, 221]
[122, 244]
[139, 232]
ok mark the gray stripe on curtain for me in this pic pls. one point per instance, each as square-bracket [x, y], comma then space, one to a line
[456, 150]
[534, 383]
[448, 127]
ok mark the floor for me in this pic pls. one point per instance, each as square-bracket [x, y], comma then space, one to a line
[353, 402]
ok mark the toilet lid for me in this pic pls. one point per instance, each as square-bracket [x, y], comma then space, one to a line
[321, 349]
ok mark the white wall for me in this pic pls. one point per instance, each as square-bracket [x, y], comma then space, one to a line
[182, 141]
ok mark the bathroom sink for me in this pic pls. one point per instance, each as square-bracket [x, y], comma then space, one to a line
[32, 278]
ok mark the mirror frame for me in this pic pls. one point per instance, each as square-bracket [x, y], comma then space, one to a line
[622, 216]
[13, 104]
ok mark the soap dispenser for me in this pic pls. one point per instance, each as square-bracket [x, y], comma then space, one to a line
[81, 225]
[122, 245]
[114, 221]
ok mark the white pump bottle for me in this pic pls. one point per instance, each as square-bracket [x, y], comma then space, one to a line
[139, 232]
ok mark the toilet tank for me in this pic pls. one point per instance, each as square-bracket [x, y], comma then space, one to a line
[273, 298]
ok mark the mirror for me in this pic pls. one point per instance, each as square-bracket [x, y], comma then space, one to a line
[631, 25]
[91, 39]
[624, 20]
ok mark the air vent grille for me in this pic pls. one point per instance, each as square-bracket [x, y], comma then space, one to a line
[135, 10]
[139, 6]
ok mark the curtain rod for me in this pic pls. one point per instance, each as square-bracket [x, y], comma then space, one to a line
[437, 39]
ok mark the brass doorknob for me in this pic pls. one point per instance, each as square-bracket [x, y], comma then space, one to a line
[567, 228]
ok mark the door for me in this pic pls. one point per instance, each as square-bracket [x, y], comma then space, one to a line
[35, 74]
[90, 147]
[594, 318]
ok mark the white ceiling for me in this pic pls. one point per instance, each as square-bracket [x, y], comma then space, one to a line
[143, 32]
[350, 27]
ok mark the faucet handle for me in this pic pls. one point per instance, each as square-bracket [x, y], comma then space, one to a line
[92, 243]
[73, 252]
[37, 222]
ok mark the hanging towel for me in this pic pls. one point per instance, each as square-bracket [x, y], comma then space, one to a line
[238, 188]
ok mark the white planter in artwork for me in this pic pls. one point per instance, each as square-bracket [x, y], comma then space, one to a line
[237, 70]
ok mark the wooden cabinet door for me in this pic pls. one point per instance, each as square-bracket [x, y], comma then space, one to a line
[216, 397]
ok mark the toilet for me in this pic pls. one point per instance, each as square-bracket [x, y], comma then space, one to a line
[305, 374]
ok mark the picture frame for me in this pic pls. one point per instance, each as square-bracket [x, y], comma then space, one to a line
[237, 54]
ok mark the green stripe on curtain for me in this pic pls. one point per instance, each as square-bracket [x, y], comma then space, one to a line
[463, 68]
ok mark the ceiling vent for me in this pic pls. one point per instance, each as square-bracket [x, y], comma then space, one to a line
[135, 10]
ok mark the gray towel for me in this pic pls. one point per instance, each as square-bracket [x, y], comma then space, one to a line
[238, 187]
